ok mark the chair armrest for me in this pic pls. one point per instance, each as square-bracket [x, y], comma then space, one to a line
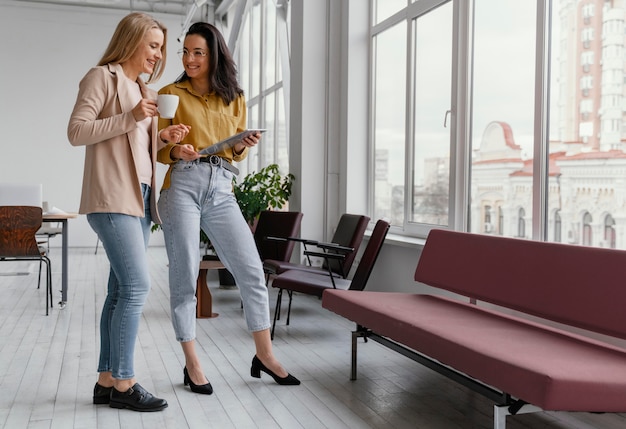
[300, 240]
[269, 238]
[337, 256]
[306, 241]
[335, 247]
[327, 258]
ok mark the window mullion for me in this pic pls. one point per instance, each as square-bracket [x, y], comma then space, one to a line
[540, 156]
[409, 165]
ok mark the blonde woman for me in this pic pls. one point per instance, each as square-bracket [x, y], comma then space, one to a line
[115, 119]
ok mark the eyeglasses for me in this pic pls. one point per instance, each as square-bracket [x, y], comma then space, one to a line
[193, 54]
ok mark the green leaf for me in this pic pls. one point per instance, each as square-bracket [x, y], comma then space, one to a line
[262, 191]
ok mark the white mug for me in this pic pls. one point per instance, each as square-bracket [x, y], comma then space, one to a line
[167, 105]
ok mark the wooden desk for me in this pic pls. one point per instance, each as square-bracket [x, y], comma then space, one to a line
[204, 300]
[62, 218]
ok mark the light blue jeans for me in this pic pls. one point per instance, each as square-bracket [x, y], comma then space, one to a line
[201, 196]
[125, 239]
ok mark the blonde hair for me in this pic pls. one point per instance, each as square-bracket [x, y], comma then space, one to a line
[129, 33]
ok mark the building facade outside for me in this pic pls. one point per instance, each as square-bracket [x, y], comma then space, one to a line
[587, 162]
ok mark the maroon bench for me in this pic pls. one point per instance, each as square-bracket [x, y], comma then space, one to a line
[564, 358]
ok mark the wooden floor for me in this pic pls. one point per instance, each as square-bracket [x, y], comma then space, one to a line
[48, 367]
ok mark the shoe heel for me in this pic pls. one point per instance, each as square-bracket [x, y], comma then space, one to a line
[255, 372]
[101, 394]
[99, 400]
[186, 377]
[117, 405]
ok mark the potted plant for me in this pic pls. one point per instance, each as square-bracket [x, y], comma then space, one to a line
[261, 191]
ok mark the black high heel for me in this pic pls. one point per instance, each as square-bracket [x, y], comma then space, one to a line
[257, 367]
[204, 389]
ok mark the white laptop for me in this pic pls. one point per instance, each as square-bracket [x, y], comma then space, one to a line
[14, 194]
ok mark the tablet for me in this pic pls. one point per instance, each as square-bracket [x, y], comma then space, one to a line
[230, 141]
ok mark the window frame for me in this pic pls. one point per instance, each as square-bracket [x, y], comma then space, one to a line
[461, 24]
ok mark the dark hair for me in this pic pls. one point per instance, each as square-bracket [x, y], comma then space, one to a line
[222, 69]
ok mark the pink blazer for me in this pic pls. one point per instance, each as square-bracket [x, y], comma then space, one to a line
[102, 121]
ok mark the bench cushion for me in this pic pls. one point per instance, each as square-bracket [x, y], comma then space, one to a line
[544, 366]
[576, 285]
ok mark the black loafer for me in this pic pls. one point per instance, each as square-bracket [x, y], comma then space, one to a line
[137, 399]
[101, 394]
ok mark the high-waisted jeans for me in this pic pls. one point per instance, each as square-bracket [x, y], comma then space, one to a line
[201, 196]
[125, 239]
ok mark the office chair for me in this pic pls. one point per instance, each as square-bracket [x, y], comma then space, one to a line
[271, 231]
[344, 246]
[310, 283]
[45, 233]
[18, 226]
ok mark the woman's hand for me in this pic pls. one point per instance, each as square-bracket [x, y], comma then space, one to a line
[250, 141]
[174, 133]
[146, 108]
[185, 152]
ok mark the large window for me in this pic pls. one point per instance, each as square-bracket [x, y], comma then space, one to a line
[404, 46]
[514, 127]
[431, 78]
[502, 112]
[262, 51]
[587, 149]
[390, 123]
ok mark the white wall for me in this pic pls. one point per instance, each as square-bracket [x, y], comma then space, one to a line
[44, 53]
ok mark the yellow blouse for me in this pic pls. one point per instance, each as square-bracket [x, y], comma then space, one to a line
[210, 119]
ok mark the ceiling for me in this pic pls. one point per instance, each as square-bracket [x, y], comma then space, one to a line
[177, 7]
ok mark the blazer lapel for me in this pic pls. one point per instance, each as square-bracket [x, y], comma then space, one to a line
[122, 93]
[146, 93]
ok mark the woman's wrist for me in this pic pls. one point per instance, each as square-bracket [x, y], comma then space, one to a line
[173, 156]
[161, 137]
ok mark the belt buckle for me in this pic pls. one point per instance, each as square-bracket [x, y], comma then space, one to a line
[215, 160]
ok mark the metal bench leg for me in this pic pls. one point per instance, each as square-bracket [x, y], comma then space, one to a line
[499, 416]
[501, 411]
[355, 335]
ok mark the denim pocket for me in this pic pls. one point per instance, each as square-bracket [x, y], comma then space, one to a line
[183, 165]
